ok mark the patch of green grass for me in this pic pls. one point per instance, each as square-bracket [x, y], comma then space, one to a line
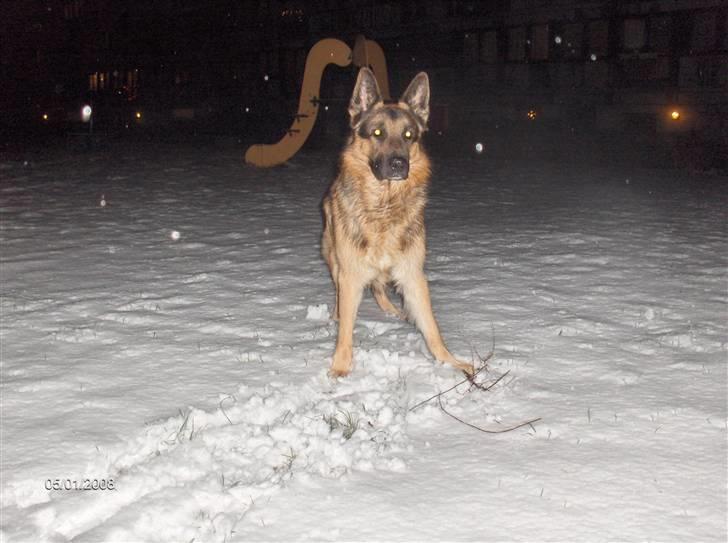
[343, 420]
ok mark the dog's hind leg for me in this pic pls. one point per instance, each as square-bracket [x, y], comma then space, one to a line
[383, 301]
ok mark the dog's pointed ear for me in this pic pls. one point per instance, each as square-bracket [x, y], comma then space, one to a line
[366, 95]
[417, 97]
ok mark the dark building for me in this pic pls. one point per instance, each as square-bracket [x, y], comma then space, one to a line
[631, 65]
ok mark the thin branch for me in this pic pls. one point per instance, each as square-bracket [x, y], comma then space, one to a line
[483, 365]
[229, 397]
[470, 378]
[501, 431]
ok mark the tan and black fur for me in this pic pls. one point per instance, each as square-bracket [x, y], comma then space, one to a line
[374, 230]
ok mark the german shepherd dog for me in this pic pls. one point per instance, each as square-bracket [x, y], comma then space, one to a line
[374, 229]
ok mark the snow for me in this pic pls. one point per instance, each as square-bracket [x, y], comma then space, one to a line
[318, 312]
[190, 369]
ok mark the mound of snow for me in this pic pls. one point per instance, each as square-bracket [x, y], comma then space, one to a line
[317, 312]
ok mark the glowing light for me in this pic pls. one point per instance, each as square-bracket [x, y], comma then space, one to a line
[45, 116]
[86, 112]
[531, 114]
[557, 39]
[138, 115]
[675, 115]
[174, 234]
[593, 57]
[266, 78]
[478, 147]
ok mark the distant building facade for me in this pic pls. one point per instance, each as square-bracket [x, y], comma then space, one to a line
[618, 65]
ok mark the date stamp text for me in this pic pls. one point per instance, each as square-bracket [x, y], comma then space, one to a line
[82, 484]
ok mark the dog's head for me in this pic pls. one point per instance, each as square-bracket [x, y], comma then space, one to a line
[389, 133]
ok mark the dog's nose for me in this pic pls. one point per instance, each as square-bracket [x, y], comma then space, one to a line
[390, 167]
[397, 163]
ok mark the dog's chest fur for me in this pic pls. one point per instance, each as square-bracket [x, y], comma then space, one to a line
[382, 219]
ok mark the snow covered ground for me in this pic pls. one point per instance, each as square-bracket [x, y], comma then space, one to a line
[189, 369]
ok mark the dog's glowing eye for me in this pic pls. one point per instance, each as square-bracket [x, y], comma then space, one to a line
[377, 132]
[408, 134]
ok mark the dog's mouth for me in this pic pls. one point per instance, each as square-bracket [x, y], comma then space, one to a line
[396, 178]
[390, 178]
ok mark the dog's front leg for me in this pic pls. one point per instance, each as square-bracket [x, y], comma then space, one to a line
[417, 301]
[349, 292]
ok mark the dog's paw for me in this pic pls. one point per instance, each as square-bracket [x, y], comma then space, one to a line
[446, 358]
[341, 363]
[336, 373]
[466, 367]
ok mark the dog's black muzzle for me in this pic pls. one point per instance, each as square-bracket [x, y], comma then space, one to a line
[392, 168]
